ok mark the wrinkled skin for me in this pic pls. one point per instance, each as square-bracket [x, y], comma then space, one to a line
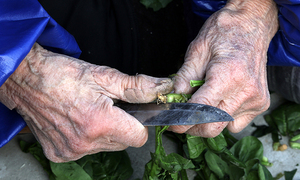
[230, 53]
[68, 104]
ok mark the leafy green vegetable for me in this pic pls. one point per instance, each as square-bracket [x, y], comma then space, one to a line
[68, 171]
[195, 146]
[100, 166]
[286, 118]
[163, 166]
[216, 164]
[155, 4]
[248, 148]
[289, 175]
[283, 121]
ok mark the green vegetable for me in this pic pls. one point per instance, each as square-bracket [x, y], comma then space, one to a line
[289, 175]
[295, 138]
[266, 162]
[100, 166]
[286, 118]
[68, 171]
[163, 166]
[295, 145]
[283, 121]
[178, 98]
[216, 164]
[195, 83]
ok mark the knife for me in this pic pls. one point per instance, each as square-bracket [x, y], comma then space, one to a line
[174, 113]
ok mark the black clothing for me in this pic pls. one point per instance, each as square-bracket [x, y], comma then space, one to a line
[124, 34]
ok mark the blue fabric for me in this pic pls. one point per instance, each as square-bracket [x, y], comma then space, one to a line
[24, 22]
[284, 49]
[205, 8]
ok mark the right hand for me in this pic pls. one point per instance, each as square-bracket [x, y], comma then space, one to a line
[230, 53]
[67, 103]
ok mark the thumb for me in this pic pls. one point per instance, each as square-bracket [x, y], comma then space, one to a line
[143, 89]
[134, 89]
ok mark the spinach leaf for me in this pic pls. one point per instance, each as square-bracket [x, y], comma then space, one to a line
[103, 165]
[216, 164]
[195, 146]
[217, 144]
[264, 173]
[163, 166]
[36, 150]
[262, 130]
[290, 174]
[107, 165]
[248, 148]
[286, 118]
[68, 171]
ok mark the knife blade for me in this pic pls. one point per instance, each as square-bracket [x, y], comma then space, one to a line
[174, 113]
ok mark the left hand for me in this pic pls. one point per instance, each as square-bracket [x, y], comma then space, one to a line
[230, 52]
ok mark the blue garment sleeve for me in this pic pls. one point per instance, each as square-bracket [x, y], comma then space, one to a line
[22, 24]
[284, 49]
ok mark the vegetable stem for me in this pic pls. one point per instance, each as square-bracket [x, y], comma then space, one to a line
[195, 83]
[295, 138]
[295, 145]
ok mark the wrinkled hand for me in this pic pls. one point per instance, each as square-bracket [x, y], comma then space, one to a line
[68, 105]
[230, 53]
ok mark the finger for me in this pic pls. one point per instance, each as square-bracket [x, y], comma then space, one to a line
[144, 89]
[180, 129]
[110, 125]
[207, 130]
[192, 69]
[209, 95]
[240, 122]
[122, 128]
[133, 89]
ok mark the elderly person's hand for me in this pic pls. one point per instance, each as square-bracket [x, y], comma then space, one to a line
[230, 53]
[67, 103]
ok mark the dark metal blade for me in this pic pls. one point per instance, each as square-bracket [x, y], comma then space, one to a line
[175, 113]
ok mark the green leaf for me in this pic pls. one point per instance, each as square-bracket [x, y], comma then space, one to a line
[217, 144]
[261, 130]
[36, 150]
[235, 172]
[155, 4]
[253, 175]
[289, 175]
[252, 164]
[264, 173]
[216, 164]
[109, 165]
[230, 158]
[104, 165]
[248, 148]
[69, 171]
[195, 146]
[174, 162]
[286, 117]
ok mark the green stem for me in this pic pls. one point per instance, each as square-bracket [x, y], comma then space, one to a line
[195, 83]
[295, 145]
[178, 98]
[184, 175]
[295, 138]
